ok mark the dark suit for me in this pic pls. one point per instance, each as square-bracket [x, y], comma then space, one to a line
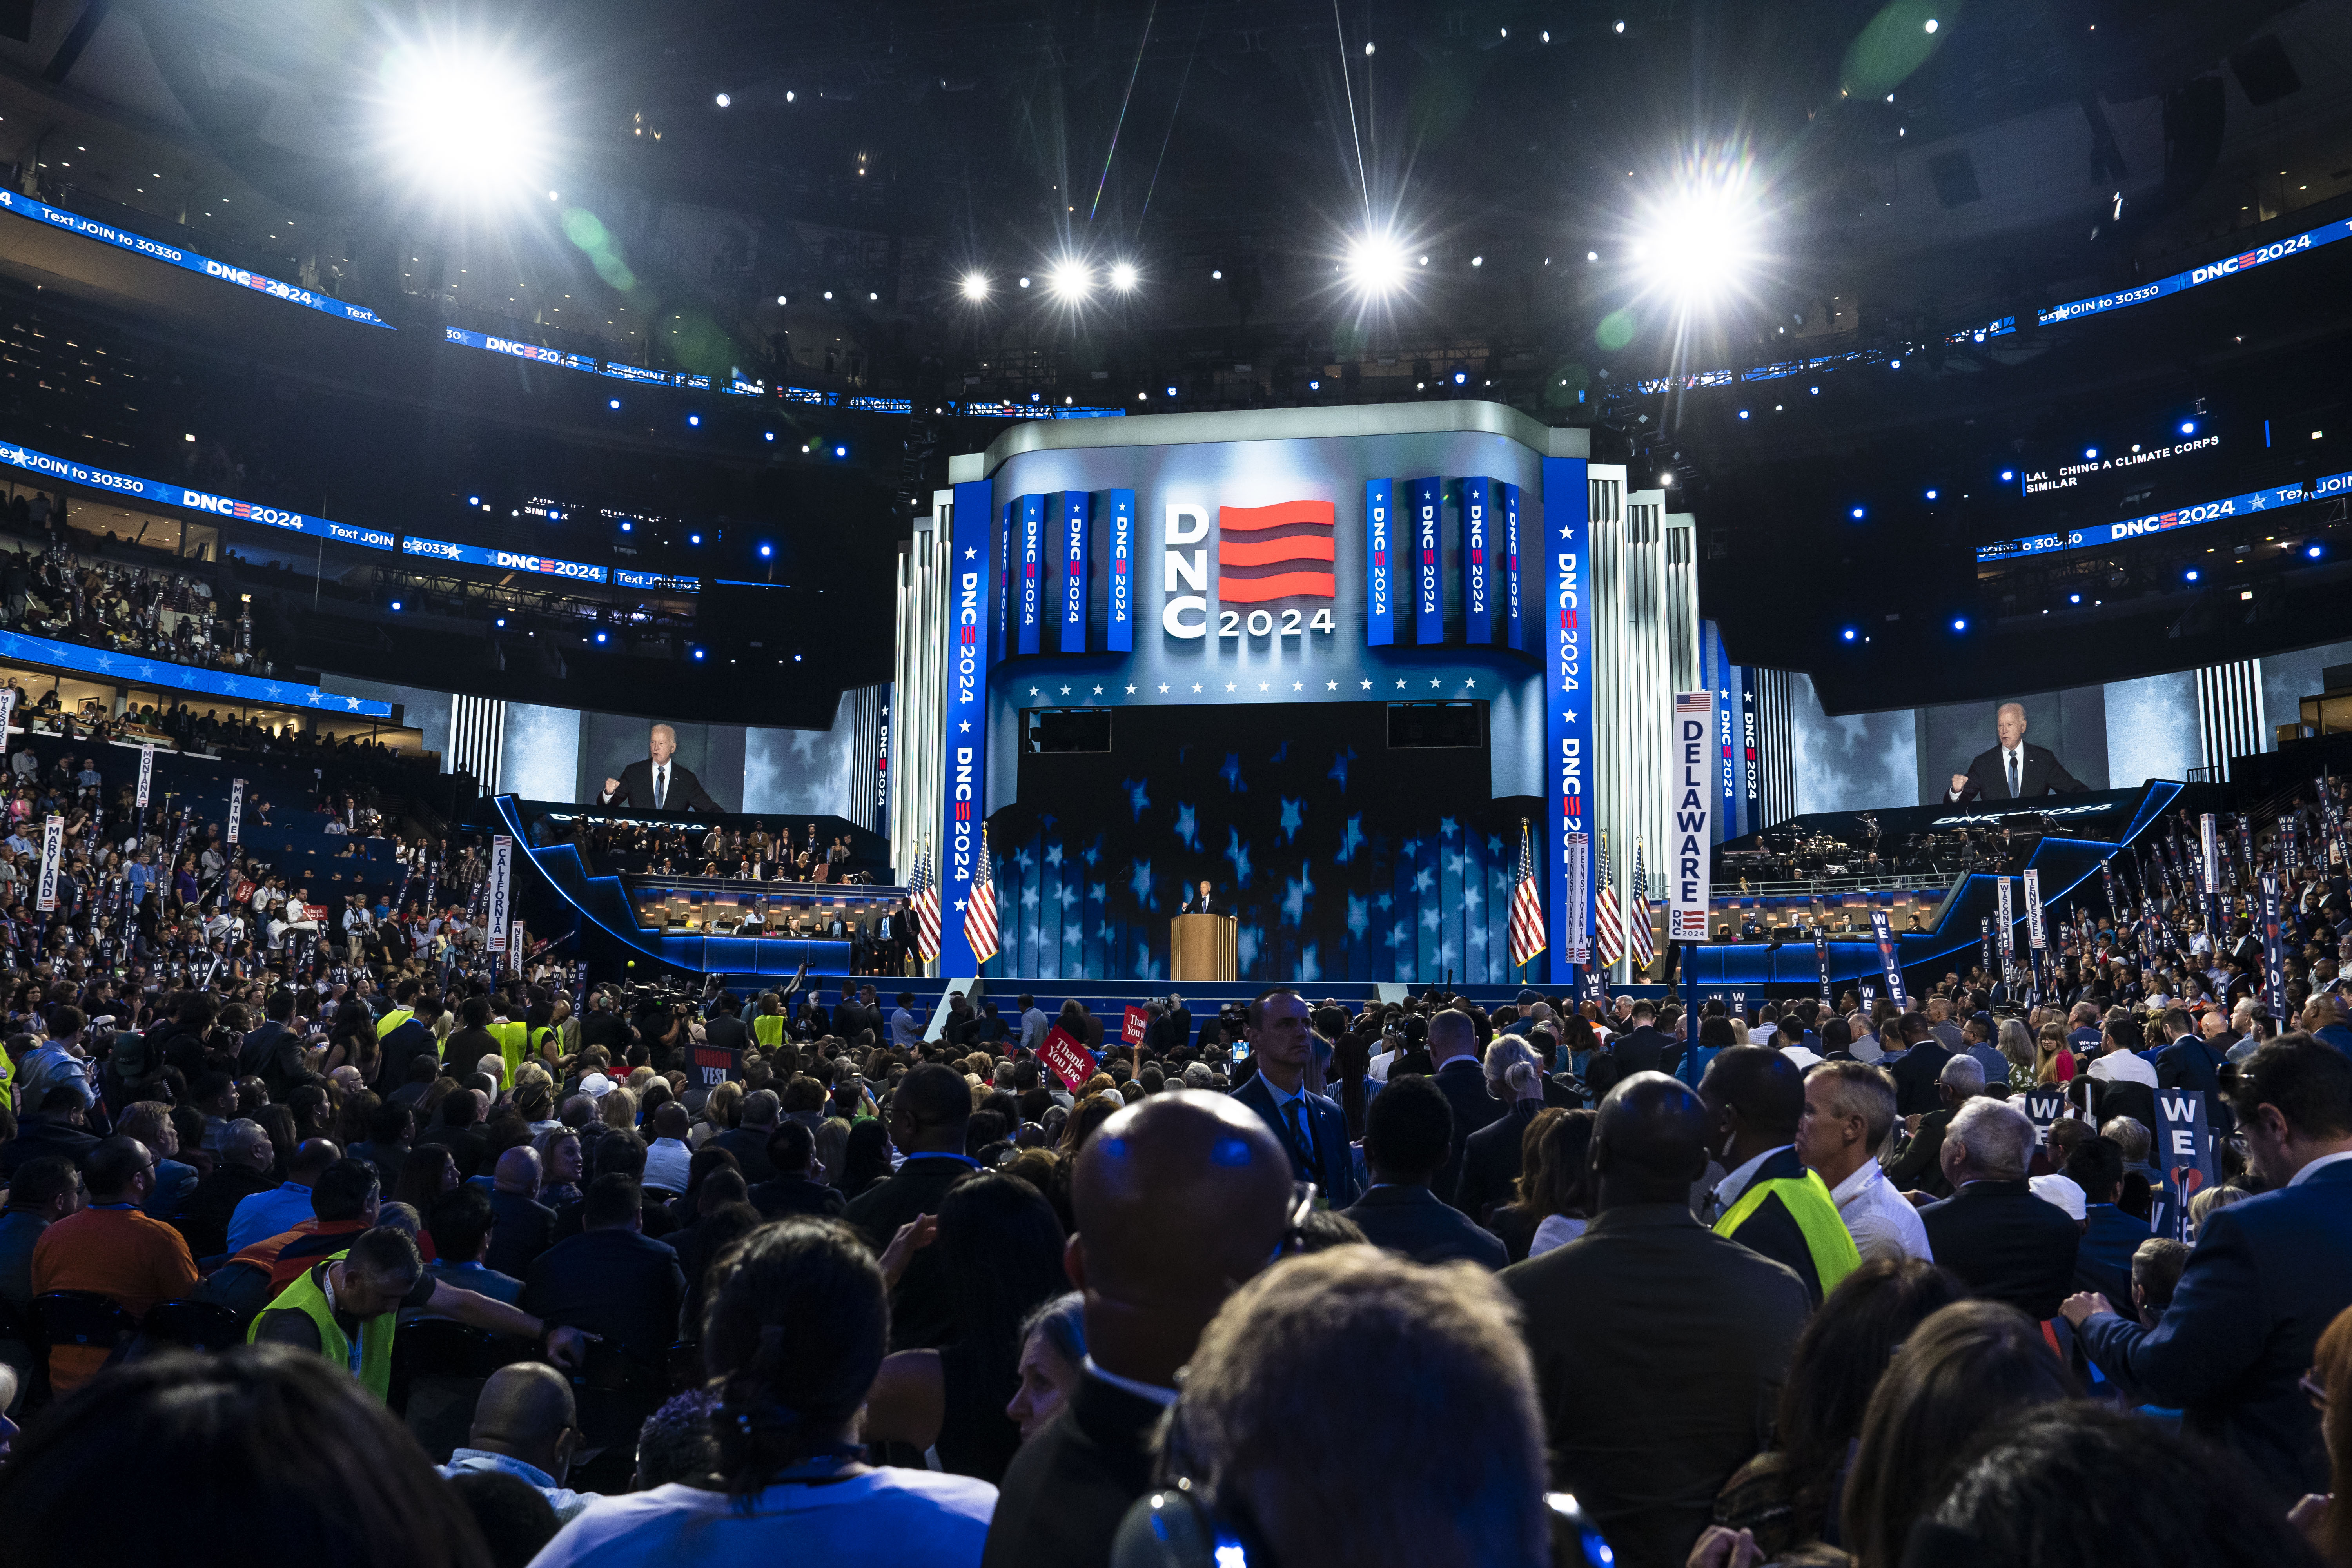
[1920, 1167]
[2267, 1276]
[522, 1227]
[2103, 1263]
[1649, 1303]
[2006, 1244]
[37, 1134]
[203, 1222]
[273, 1053]
[796, 1194]
[686, 792]
[1464, 1083]
[750, 1147]
[1333, 1168]
[922, 1313]
[1490, 1160]
[1414, 1221]
[1914, 1078]
[626, 1287]
[1066, 1489]
[2038, 774]
[726, 1032]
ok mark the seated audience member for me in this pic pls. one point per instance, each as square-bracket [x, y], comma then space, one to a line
[512, 1516]
[794, 1188]
[279, 1209]
[1648, 1299]
[278, 1452]
[1849, 1115]
[524, 1428]
[344, 1201]
[1053, 1357]
[795, 1336]
[613, 1281]
[1002, 1248]
[1768, 1201]
[1919, 1167]
[1408, 1136]
[461, 1226]
[524, 1226]
[748, 1140]
[676, 1445]
[929, 1112]
[43, 1192]
[1959, 1371]
[1297, 1338]
[1178, 1200]
[2266, 1276]
[2155, 1275]
[2007, 1244]
[2111, 1239]
[2075, 1483]
[112, 1249]
[1786, 1498]
[59, 1125]
[149, 1121]
[241, 1170]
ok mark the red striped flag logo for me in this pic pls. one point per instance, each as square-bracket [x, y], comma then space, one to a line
[1281, 551]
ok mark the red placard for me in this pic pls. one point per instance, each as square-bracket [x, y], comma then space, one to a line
[242, 892]
[317, 912]
[1070, 1061]
[1133, 1031]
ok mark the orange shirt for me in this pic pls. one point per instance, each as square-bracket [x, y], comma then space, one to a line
[118, 1253]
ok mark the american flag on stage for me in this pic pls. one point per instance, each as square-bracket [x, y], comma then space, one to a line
[1276, 552]
[1608, 934]
[926, 906]
[1527, 907]
[980, 914]
[1637, 914]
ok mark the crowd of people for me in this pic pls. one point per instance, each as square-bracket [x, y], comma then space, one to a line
[736, 851]
[488, 1272]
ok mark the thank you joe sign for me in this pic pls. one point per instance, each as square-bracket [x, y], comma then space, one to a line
[1692, 769]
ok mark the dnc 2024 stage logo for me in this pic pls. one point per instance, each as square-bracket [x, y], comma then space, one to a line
[1272, 563]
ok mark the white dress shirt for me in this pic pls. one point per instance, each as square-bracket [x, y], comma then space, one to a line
[1881, 1220]
[2124, 1067]
[2316, 1166]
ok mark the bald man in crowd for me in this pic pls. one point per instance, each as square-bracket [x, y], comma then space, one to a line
[1179, 1200]
[1658, 1344]
[1454, 1051]
[525, 1425]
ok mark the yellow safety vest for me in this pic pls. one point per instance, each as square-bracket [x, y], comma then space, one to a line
[1808, 1203]
[512, 1039]
[768, 1029]
[372, 1364]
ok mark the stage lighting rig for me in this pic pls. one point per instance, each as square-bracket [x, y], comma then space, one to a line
[1070, 280]
[1376, 265]
[463, 122]
[1701, 243]
[975, 287]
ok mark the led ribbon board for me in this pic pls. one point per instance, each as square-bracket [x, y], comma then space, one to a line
[2197, 277]
[518, 349]
[500, 560]
[165, 494]
[188, 260]
[129, 668]
[2165, 522]
[656, 581]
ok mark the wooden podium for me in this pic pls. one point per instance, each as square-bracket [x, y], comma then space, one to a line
[1200, 947]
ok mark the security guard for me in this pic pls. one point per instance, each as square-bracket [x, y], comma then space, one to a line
[1769, 1202]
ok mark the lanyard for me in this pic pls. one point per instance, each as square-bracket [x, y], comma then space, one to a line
[959, 1159]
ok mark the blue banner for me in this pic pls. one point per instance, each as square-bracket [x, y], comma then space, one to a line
[2273, 951]
[1887, 964]
[158, 491]
[1428, 501]
[1070, 518]
[129, 668]
[1379, 562]
[156, 250]
[1514, 623]
[1030, 520]
[519, 349]
[500, 560]
[644, 375]
[1567, 681]
[965, 733]
[2211, 272]
[1001, 648]
[1477, 577]
[2184, 1155]
[1822, 963]
[1114, 541]
[2245, 505]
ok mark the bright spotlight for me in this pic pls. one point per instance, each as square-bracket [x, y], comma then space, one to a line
[1931, 24]
[1620, 28]
[1959, 626]
[2090, 452]
[2192, 573]
[2312, 550]
[1172, 392]
[1375, 264]
[722, 101]
[462, 122]
[1702, 242]
[1847, 634]
[1931, 495]
[1123, 277]
[395, 604]
[975, 285]
[2009, 473]
[1857, 512]
[2189, 427]
[694, 539]
[767, 550]
[1071, 280]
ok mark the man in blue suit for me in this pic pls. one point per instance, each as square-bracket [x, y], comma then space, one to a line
[2268, 1276]
[1312, 1128]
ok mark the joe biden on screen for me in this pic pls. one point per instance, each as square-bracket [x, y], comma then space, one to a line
[2013, 769]
[659, 783]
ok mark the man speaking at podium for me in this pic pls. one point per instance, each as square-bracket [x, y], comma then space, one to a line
[2013, 769]
[1197, 902]
[657, 784]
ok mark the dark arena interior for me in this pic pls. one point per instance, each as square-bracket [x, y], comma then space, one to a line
[1164, 784]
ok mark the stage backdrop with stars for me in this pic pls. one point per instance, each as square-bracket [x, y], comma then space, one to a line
[1196, 578]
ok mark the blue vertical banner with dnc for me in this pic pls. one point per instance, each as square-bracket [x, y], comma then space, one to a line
[1563, 542]
[964, 799]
